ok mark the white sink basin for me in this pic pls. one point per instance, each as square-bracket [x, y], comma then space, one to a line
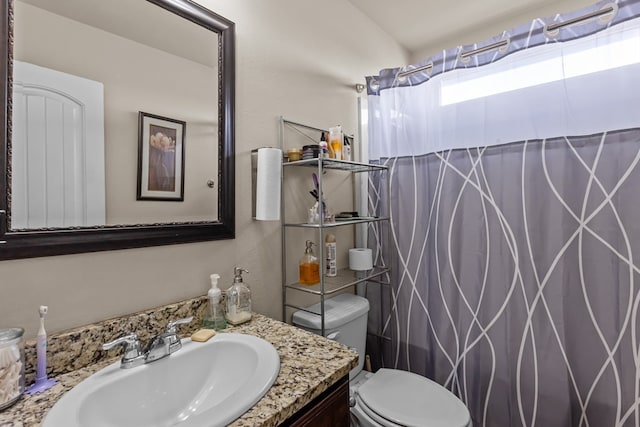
[203, 384]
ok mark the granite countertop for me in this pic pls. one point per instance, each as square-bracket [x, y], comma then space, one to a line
[309, 364]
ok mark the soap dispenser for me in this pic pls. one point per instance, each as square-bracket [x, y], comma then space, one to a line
[309, 266]
[238, 309]
[215, 320]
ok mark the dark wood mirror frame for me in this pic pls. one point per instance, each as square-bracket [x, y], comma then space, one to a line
[38, 243]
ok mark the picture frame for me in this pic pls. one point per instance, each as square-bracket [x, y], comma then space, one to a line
[161, 143]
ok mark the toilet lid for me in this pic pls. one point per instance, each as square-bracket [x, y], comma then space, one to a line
[409, 399]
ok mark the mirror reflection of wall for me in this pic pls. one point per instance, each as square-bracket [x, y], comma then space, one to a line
[147, 59]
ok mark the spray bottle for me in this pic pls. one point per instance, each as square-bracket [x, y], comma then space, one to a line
[330, 255]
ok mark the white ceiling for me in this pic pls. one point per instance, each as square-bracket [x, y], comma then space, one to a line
[423, 27]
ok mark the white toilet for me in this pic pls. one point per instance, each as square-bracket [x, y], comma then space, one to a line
[389, 397]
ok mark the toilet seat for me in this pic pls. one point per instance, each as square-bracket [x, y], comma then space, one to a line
[398, 398]
[370, 416]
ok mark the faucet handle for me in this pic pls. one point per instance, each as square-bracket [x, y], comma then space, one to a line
[171, 326]
[172, 334]
[132, 355]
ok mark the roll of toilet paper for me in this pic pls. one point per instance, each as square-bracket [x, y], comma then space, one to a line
[268, 184]
[360, 259]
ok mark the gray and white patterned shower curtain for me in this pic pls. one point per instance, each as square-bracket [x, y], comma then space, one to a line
[514, 261]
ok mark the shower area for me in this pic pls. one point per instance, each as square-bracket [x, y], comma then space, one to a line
[515, 220]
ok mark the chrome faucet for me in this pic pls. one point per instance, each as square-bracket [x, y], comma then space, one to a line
[165, 343]
[159, 346]
[132, 355]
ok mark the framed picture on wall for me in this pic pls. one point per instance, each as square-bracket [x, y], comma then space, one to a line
[160, 158]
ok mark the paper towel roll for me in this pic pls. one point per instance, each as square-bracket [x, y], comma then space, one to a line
[360, 259]
[268, 184]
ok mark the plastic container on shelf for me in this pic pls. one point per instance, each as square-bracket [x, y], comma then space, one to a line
[330, 255]
[335, 141]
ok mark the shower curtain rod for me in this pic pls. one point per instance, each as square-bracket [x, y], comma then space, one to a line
[426, 68]
[597, 14]
[465, 56]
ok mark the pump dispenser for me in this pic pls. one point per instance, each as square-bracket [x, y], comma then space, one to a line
[238, 299]
[309, 266]
[215, 320]
[324, 145]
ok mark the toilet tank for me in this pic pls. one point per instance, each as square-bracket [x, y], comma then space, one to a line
[345, 321]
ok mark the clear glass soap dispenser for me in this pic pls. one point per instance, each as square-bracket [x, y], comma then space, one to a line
[238, 308]
[215, 320]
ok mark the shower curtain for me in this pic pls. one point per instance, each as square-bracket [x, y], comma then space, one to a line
[515, 221]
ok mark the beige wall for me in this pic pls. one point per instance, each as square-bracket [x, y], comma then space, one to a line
[297, 58]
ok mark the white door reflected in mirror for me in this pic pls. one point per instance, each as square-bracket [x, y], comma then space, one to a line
[58, 149]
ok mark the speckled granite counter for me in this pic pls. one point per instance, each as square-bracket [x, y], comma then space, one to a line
[309, 364]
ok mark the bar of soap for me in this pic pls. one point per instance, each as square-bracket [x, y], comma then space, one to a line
[202, 335]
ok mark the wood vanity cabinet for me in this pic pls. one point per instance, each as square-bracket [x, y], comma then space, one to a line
[330, 409]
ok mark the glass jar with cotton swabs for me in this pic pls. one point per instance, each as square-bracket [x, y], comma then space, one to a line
[11, 366]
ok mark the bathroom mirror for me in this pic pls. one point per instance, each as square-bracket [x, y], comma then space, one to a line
[152, 114]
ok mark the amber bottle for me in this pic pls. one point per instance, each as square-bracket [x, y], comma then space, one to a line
[309, 266]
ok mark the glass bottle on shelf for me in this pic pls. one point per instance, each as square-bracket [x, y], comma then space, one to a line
[309, 266]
